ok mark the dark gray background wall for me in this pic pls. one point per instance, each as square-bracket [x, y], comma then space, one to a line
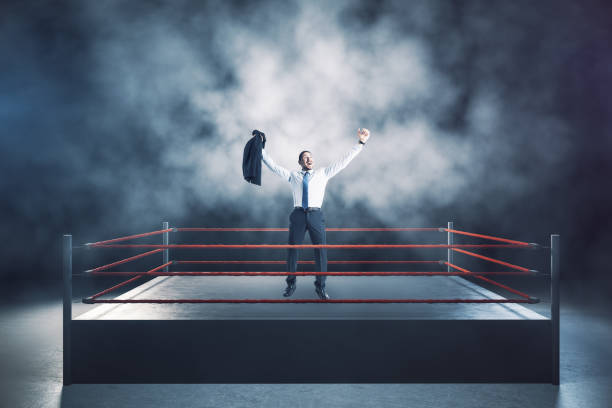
[118, 115]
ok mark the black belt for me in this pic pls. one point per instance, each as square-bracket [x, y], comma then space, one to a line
[309, 209]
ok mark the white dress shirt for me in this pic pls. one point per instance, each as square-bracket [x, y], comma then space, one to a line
[318, 178]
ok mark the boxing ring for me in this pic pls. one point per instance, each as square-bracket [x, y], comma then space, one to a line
[449, 323]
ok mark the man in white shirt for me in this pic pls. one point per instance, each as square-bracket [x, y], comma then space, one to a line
[308, 187]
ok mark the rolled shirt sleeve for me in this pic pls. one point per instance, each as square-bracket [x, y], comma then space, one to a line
[275, 168]
[335, 168]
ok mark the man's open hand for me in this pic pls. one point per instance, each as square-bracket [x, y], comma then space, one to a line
[363, 134]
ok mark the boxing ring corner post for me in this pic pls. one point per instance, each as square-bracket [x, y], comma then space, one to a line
[67, 307]
[451, 226]
[165, 241]
[555, 303]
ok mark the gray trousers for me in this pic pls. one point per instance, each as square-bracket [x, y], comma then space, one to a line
[301, 221]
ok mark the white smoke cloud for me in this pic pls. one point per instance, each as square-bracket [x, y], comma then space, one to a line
[309, 82]
[309, 91]
[119, 115]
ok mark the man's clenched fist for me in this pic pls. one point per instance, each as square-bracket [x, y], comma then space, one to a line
[363, 134]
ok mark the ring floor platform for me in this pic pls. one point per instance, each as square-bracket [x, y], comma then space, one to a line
[198, 343]
[264, 287]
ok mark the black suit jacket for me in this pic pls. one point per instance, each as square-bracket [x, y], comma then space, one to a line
[251, 160]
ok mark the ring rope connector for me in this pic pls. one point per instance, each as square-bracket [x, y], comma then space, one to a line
[88, 301]
[533, 300]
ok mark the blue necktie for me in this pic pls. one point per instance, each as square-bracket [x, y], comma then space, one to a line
[305, 190]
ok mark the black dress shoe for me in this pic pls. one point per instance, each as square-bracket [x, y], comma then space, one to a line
[289, 289]
[321, 293]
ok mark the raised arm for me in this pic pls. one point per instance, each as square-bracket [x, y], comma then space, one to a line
[276, 169]
[335, 168]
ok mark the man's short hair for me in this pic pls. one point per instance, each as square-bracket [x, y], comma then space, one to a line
[302, 153]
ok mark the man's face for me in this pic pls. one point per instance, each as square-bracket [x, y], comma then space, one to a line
[307, 161]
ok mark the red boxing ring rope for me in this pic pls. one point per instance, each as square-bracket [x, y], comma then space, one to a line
[90, 301]
[112, 243]
[486, 258]
[286, 246]
[104, 267]
[210, 229]
[509, 289]
[471, 234]
[146, 234]
[132, 258]
[307, 262]
[244, 273]
[104, 292]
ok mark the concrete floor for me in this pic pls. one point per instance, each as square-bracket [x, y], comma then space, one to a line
[31, 370]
